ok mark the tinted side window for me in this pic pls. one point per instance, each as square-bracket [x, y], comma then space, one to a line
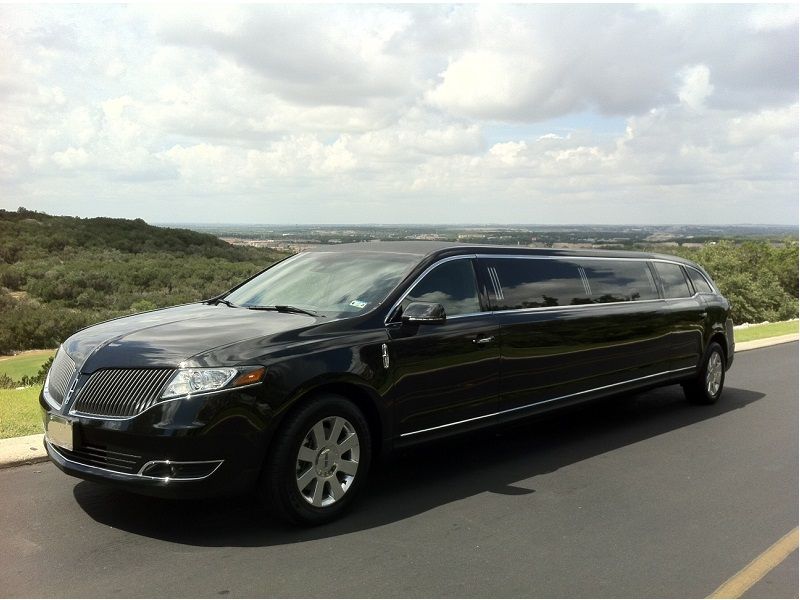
[699, 282]
[451, 284]
[619, 280]
[675, 285]
[533, 283]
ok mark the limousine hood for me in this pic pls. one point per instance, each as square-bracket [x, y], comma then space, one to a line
[167, 337]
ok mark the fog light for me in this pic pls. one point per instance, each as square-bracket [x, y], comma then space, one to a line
[179, 470]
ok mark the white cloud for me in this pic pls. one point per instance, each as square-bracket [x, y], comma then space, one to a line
[337, 113]
[308, 55]
[752, 129]
[774, 16]
[71, 158]
[696, 87]
[492, 84]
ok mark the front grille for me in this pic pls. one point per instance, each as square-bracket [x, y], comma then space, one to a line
[59, 376]
[97, 456]
[121, 392]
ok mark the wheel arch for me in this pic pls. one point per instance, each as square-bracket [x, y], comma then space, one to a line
[719, 337]
[365, 398]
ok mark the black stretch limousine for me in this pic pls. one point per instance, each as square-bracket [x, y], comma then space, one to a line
[292, 382]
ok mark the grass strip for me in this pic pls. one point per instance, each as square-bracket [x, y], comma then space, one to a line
[767, 330]
[28, 363]
[19, 412]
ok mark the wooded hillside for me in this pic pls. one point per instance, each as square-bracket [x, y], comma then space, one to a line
[58, 274]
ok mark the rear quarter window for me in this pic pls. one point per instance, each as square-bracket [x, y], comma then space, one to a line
[673, 280]
[699, 282]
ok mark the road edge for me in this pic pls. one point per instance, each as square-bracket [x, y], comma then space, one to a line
[764, 342]
[29, 449]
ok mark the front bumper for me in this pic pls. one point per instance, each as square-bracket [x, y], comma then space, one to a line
[200, 447]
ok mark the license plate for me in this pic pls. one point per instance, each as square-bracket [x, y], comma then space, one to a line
[59, 431]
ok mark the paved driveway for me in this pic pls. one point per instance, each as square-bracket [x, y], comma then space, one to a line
[642, 496]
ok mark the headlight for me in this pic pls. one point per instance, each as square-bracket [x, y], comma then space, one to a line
[186, 382]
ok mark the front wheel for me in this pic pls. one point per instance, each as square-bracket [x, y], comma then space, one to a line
[706, 387]
[318, 461]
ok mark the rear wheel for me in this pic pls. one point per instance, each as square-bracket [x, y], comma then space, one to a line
[318, 461]
[706, 387]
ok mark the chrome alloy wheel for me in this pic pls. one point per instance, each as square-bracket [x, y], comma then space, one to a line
[714, 374]
[327, 461]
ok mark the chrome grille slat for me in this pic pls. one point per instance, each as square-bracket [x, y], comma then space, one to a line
[105, 384]
[121, 392]
[107, 392]
[151, 391]
[147, 387]
[122, 389]
[122, 405]
[154, 392]
[60, 374]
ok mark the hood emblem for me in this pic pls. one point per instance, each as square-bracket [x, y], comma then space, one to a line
[71, 390]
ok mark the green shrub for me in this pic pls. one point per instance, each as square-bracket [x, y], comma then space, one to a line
[76, 272]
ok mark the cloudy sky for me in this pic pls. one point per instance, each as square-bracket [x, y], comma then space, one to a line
[402, 113]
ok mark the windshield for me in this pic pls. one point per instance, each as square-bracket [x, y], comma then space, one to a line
[332, 284]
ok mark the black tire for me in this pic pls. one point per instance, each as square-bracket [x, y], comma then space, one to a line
[284, 467]
[698, 389]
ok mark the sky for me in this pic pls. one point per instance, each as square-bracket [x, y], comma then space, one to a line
[408, 113]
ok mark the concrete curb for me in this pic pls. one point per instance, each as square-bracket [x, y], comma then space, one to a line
[25, 450]
[29, 449]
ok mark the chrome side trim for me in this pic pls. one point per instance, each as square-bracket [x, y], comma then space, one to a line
[472, 314]
[586, 287]
[578, 257]
[121, 474]
[579, 306]
[498, 289]
[510, 410]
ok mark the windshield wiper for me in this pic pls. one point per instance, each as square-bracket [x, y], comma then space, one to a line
[216, 301]
[287, 308]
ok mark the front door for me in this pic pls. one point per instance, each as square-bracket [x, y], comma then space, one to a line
[445, 376]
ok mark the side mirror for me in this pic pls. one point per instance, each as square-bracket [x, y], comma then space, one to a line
[430, 313]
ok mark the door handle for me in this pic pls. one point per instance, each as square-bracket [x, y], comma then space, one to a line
[485, 340]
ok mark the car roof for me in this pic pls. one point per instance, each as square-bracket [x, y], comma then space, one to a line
[424, 248]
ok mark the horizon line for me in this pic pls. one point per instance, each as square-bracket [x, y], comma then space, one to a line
[209, 223]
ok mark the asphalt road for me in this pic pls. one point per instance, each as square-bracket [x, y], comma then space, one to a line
[640, 497]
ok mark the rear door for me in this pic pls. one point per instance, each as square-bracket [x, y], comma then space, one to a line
[686, 316]
[628, 309]
[571, 327]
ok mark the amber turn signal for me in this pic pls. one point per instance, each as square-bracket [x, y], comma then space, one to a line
[249, 377]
